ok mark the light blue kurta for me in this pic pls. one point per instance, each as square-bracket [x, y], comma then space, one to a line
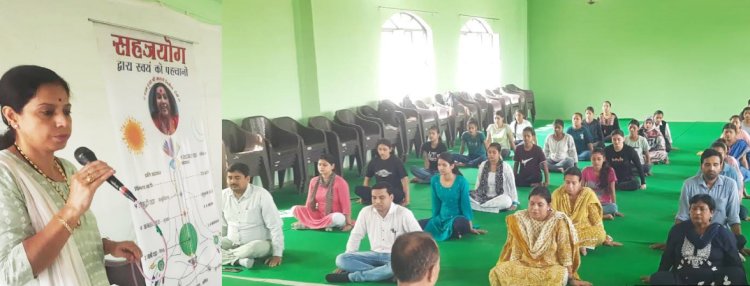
[447, 205]
[15, 227]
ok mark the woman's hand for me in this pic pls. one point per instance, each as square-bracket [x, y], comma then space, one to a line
[347, 227]
[123, 249]
[83, 185]
[478, 231]
[405, 202]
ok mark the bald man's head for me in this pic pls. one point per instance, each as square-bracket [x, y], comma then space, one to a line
[415, 257]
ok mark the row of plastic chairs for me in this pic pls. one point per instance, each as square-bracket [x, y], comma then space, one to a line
[274, 146]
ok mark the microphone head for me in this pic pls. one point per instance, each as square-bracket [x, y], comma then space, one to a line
[84, 155]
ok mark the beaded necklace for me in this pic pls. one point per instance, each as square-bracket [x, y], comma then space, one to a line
[51, 182]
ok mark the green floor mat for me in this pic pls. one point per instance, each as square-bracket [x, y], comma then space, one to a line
[649, 214]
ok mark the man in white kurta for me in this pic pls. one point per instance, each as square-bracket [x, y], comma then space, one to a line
[251, 223]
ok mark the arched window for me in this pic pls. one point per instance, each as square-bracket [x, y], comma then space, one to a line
[406, 58]
[479, 57]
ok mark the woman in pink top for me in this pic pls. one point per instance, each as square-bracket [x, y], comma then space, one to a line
[601, 178]
[328, 204]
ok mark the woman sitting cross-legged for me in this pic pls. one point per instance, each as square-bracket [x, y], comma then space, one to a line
[601, 178]
[328, 204]
[699, 251]
[385, 167]
[540, 248]
[496, 186]
[430, 150]
[583, 207]
[451, 209]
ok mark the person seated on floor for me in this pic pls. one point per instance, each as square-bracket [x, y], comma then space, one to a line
[731, 172]
[738, 148]
[500, 133]
[582, 138]
[742, 134]
[699, 251]
[496, 186]
[540, 248]
[623, 159]
[451, 207]
[721, 146]
[591, 123]
[430, 150]
[608, 121]
[560, 149]
[415, 259]
[328, 204]
[722, 189]
[657, 149]
[518, 125]
[601, 178]
[745, 119]
[640, 144]
[382, 222]
[385, 167]
[582, 206]
[251, 224]
[530, 162]
[473, 141]
[663, 127]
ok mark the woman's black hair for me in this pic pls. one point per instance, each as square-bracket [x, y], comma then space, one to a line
[604, 172]
[329, 158]
[541, 191]
[437, 131]
[18, 86]
[448, 157]
[704, 198]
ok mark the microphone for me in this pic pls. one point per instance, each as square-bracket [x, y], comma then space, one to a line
[84, 156]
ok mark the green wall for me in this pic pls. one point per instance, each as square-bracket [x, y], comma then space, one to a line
[690, 58]
[303, 58]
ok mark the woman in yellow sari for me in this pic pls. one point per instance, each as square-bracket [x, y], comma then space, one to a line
[541, 247]
[582, 206]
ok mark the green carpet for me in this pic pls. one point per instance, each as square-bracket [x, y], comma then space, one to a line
[649, 214]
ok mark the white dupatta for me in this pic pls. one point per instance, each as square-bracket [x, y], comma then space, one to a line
[68, 267]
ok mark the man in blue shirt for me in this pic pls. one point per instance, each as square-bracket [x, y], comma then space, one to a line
[721, 188]
[582, 138]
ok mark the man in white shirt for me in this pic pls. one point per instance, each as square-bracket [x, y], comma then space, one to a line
[382, 222]
[416, 259]
[560, 149]
[251, 223]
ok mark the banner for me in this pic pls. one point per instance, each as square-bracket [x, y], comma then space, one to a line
[155, 101]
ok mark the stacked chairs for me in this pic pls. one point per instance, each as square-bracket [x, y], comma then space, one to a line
[461, 115]
[390, 127]
[343, 141]
[446, 121]
[248, 148]
[283, 149]
[409, 124]
[369, 131]
[527, 99]
[313, 145]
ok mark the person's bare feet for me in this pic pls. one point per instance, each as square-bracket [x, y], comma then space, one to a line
[608, 217]
[619, 214]
[583, 251]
